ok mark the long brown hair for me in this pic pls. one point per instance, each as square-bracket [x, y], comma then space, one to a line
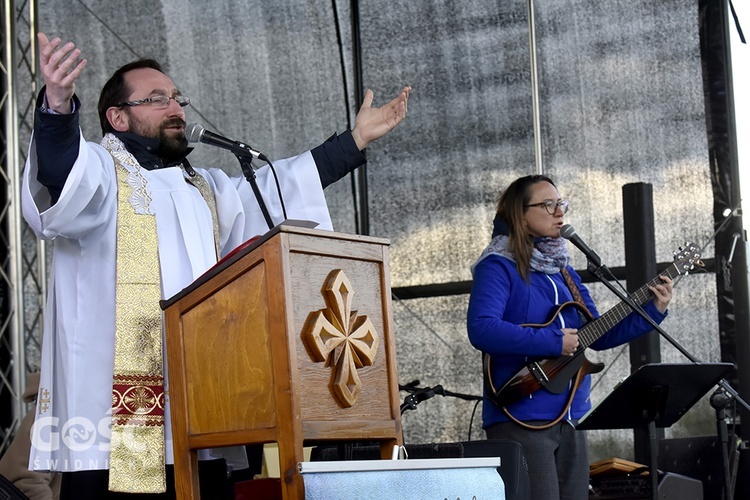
[511, 208]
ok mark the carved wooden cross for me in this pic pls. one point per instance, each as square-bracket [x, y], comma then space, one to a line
[338, 336]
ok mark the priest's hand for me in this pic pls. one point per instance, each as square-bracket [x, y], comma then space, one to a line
[373, 123]
[60, 68]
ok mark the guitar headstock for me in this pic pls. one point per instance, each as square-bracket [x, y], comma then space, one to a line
[687, 257]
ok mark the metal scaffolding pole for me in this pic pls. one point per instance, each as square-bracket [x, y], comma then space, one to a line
[535, 91]
[22, 265]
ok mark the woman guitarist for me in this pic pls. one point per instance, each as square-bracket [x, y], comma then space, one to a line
[520, 280]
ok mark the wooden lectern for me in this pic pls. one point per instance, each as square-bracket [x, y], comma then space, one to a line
[289, 340]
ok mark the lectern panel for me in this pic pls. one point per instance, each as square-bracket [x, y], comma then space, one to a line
[232, 322]
[367, 385]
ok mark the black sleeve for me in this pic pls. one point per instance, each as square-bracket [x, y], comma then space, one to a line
[56, 138]
[337, 157]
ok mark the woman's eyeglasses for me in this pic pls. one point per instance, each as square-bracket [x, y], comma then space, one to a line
[551, 206]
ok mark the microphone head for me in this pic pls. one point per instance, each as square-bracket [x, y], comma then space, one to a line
[194, 132]
[567, 231]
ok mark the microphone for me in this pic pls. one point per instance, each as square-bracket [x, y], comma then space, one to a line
[196, 133]
[570, 234]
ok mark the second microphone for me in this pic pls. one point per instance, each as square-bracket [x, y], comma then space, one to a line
[196, 133]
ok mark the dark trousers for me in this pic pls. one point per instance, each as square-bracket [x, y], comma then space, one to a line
[557, 458]
[92, 484]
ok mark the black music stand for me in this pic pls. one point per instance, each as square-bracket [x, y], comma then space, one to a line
[656, 395]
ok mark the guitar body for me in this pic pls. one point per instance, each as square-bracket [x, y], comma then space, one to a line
[558, 372]
[553, 374]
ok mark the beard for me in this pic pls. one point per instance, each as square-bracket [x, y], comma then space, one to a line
[172, 144]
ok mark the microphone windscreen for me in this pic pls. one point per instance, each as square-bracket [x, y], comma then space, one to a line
[567, 231]
[194, 132]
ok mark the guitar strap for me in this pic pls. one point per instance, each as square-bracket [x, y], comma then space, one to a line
[574, 289]
[579, 376]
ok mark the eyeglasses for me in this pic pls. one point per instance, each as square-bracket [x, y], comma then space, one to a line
[158, 101]
[551, 206]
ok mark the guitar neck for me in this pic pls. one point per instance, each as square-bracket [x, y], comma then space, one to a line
[592, 331]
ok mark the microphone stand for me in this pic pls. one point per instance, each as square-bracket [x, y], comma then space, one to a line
[412, 400]
[729, 392]
[249, 173]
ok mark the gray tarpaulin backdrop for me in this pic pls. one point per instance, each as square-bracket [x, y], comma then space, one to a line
[620, 101]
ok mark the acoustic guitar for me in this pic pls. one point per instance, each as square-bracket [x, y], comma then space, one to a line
[554, 374]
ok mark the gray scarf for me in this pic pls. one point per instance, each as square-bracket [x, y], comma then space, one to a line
[548, 256]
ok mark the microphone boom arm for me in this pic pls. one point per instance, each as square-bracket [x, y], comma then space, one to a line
[249, 172]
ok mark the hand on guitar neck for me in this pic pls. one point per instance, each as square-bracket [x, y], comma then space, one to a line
[662, 293]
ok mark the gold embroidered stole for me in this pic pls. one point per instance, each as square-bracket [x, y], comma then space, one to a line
[137, 452]
[137, 435]
[204, 189]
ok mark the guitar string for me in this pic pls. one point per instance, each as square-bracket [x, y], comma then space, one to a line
[675, 281]
[622, 348]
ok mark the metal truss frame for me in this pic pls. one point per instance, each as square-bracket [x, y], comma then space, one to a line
[23, 266]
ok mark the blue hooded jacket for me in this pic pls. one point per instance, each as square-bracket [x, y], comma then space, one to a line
[501, 300]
